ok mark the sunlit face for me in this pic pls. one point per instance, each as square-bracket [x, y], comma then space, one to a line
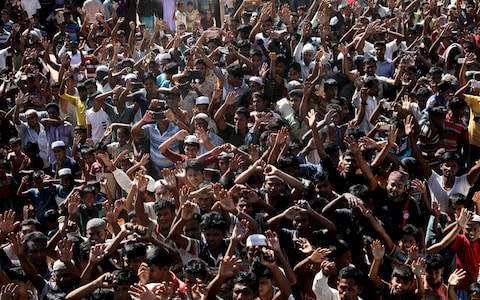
[406, 241]
[396, 188]
[241, 121]
[97, 234]
[164, 218]
[242, 292]
[449, 169]
[274, 186]
[400, 286]
[191, 150]
[434, 277]
[213, 237]
[347, 289]
[195, 177]
[473, 230]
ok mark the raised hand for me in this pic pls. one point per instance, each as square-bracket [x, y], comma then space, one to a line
[456, 276]
[7, 222]
[304, 245]
[318, 256]
[464, 218]
[419, 185]
[17, 243]
[9, 291]
[240, 231]
[65, 250]
[312, 119]
[409, 125]
[392, 135]
[228, 266]
[169, 179]
[352, 145]
[139, 291]
[97, 253]
[419, 266]
[188, 210]
[378, 250]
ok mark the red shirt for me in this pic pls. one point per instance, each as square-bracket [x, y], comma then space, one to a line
[468, 258]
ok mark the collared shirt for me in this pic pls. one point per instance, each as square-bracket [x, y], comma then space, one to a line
[241, 90]
[385, 68]
[4, 36]
[156, 139]
[28, 134]
[63, 132]
[214, 139]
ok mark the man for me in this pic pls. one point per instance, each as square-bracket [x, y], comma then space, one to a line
[97, 120]
[348, 284]
[91, 7]
[61, 160]
[385, 67]
[208, 138]
[157, 129]
[57, 129]
[236, 133]
[32, 131]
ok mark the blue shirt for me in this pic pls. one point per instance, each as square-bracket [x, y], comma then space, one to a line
[156, 139]
[42, 200]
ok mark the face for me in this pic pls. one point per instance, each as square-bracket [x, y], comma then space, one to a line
[192, 230]
[350, 163]
[37, 252]
[32, 119]
[59, 153]
[434, 276]
[264, 286]
[244, 206]
[133, 263]
[242, 292]
[202, 69]
[406, 241]
[380, 52]
[158, 274]
[241, 121]
[396, 188]
[259, 104]
[191, 150]
[199, 123]
[122, 137]
[370, 68]
[202, 108]
[97, 234]
[223, 164]
[274, 187]
[88, 199]
[347, 289]
[295, 102]
[324, 188]
[165, 218]
[64, 279]
[473, 229]
[66, 181]
[214, 238]
[195, 177]
[301, 223]
[53, 113]
[449, 169]
[400, 286]
[205, 202]
[150, 86]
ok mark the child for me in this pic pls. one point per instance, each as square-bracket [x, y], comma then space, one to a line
[192, 16]
[433, 282]
[348, 285]
[17, 159]
[180, 17]
[401, 285]
[122, 144]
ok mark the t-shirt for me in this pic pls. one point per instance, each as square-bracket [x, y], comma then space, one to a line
[79, 105]
[438, 192]
[468, 258]
[99, 121]
[474, 125]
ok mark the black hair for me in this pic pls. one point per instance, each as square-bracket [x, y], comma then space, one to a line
[123, 277]
[54, 106]
[195, 165]
[162, 204]
[380, 43]
[158, 256]
[450, 157]
[434, 262]
[288, 161]
[200, 61]
[409, 229]
[320, 176]
[196, 267]
[352, 273]
[435, 70]
[281, 59]
[84, 249]
[369, 81]
[149, 75]
[247, 278]
[369, 60]
[423, 92]
[213, 220]
[29, 222]
[31, 148]
[133, 249]
[474, 288]
[243, 111]
[444, 86]
[330, 148]
[403, 272]
[15, 140]
[36, 236]
[295, 66]
[355, 132]
[361, 191]
[457, 199]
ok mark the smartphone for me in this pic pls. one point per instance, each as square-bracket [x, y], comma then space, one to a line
[136, 86]
[461, 60]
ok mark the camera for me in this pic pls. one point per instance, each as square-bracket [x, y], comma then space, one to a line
[195, 74]
[159, 115]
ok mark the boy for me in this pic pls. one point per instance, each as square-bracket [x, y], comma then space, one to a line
[348, 285]
[433, 282]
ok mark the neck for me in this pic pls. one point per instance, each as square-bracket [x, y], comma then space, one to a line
[448, 181]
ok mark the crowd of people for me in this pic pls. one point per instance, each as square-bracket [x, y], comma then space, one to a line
[221, 149]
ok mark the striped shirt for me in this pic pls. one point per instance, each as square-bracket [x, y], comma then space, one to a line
[455, 131]
[156, 139]
[429, 141]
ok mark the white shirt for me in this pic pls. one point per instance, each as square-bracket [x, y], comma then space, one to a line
[365, 124]
[390, 48]
[321, 289]
[30, 6]
[91, 7]
[99, 121]
[440, 195]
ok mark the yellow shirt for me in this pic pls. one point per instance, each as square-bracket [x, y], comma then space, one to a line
[79, 105]
[474, 127]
